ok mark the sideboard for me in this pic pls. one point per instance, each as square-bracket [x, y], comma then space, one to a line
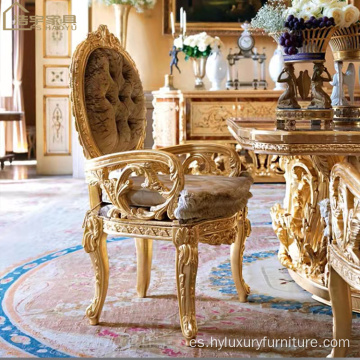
[182, 117]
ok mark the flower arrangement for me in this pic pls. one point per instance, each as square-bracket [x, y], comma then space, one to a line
[139, 5]
[196, 46]
[342, 14]
[297, 21]
[270, 17]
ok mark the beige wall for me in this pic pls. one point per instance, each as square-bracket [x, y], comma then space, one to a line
[149, 48]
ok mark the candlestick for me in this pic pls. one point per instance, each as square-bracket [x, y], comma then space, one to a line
[181, 18]
[172, 23]
[184, 23]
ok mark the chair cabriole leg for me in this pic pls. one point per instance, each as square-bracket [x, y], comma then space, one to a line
[186, 242]
[236, 257]
[94, 243]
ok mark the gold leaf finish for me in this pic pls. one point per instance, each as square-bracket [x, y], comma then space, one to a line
[344, 248]
[112, 175]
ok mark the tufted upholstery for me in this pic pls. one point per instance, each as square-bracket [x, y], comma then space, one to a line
[115, 102]
[204, 197]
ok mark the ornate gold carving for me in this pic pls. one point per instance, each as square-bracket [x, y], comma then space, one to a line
[186, 242]
[286, 149]
[208, 227]
[148, 230]
[264, 166]
[208, 159]
[101, 38]
[145, 163]
[205, 122]
[345, 269]
[93, 229]
[222, 237]
[298, 225]
[144, 223]
[344, 248]
[345, 208]
[94, 242]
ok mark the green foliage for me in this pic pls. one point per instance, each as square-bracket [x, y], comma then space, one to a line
[195, 52]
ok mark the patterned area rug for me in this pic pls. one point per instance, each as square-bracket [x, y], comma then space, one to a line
[46, 283]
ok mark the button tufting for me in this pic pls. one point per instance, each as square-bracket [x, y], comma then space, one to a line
[124, 93]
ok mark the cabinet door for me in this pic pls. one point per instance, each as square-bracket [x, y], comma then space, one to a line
[208, 119]
[165, 123]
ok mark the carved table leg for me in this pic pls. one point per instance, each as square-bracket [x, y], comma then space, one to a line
[298, 225]
[144, 258]
[236, 257]
[262, 167]
[341, 307]
[94, 243]
[186, 242]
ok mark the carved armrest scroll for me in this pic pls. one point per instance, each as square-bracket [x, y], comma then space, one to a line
[345, 210]
[145, 163]
[208, 159]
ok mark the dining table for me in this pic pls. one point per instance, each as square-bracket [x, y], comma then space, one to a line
[308, 151]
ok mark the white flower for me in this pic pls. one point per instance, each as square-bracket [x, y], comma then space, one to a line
[337, 14]
[202, 41]
[351, 15]
[305, 15]
[329, 3]
[178, 42]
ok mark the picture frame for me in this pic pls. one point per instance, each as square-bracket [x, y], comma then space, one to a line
[199, 20]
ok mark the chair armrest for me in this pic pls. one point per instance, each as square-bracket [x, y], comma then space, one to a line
[147, 163]
[345, 210]
[204, 159]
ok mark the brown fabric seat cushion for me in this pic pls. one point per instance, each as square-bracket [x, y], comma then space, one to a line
[203, 198]
[115, 102]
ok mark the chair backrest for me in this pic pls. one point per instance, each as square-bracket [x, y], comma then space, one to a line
[107, 96]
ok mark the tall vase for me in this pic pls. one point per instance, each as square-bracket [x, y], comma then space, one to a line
[121, 18]
[199, 67]
[216, 69]
[275, 67]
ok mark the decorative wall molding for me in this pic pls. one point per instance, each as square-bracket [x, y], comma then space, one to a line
[56, 76]
[56, 43]
[57, 125]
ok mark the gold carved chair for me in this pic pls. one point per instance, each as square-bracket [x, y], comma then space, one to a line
[344, 249]
[148, 194]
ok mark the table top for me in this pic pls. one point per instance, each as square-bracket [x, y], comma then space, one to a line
[264, 137]
[11, 115]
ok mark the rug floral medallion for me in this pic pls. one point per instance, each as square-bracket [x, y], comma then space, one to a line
[44, 300]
